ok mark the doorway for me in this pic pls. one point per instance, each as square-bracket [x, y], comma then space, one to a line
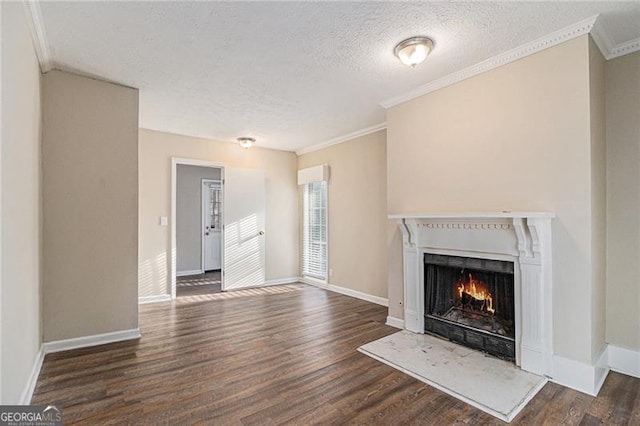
[198, 226]
[239, 220]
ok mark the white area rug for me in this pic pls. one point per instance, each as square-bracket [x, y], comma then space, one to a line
[495, 386]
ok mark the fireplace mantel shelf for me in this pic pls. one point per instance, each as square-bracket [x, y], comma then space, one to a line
[473, 215]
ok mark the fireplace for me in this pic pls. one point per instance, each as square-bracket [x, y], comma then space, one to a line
[492, 248]
[472, 302]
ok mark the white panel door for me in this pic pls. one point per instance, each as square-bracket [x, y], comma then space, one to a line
[244, 236]
[211, 224]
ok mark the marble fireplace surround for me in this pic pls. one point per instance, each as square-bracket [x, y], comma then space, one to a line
[521, 237]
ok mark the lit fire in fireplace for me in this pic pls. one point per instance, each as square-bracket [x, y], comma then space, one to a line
[478, 291]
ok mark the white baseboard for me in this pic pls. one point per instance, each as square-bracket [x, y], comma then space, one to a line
[187, 273]
[624, 361]
[86, 341]
[268, 283]
[359, 295]
[395, 322]
[573, 374]
[581, 376]
[314, 282]
[281, 281]
[27, 393]
[346, 291]
[154, 299]
[601, 368]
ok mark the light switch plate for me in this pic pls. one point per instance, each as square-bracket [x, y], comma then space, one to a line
[164, 221]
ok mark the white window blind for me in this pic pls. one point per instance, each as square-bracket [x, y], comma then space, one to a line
[314, 233]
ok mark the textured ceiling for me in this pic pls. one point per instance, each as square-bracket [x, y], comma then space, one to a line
[292, 74]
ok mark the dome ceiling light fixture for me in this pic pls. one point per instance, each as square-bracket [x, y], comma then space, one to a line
[246, 142]
[414, 50]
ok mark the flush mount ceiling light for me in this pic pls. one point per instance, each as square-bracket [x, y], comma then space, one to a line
[246, 142]
[414, 50]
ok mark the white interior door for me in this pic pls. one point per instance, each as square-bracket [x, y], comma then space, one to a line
[244, 236]
[211, 225]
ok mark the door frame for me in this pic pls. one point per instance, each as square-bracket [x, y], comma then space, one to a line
[172, 237]
[202, 221]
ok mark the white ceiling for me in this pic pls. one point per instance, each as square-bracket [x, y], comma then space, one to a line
[292, 74]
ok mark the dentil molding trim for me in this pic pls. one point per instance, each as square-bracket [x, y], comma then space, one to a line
[465, 225]
[625, 48]
[607, 47]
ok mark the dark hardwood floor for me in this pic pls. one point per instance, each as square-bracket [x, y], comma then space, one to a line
[279, 355]
[194, 285]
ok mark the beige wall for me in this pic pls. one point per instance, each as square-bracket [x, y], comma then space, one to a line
[598, 198]
[189, 215]
[358, 222]
[623, 201]
[156, 150]
[20, 218]
[90, 196]
[514, 138]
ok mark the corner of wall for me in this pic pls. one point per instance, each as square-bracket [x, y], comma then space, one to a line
[622, 94]
[598, 197]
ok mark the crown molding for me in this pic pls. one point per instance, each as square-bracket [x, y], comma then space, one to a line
[39, 35]
[602, 39]
[607, 47]
[343, 138]
[560, 36]
[625, 48]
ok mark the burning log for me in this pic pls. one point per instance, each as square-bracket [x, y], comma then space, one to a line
[475, 294]
[473, 303]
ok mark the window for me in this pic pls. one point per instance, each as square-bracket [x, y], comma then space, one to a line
[215, 205]
[314, 232]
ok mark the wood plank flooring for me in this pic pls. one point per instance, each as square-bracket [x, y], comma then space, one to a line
[192, 285]
[279, 355]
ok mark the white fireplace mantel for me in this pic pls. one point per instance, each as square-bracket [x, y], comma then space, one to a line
[521, 237]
